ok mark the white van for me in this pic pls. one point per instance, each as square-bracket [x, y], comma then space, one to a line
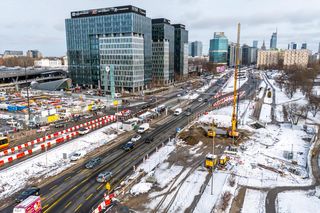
[178, 111]
[143, 127]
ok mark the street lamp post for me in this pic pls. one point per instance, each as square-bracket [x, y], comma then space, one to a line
[25, 73]
[213, 158]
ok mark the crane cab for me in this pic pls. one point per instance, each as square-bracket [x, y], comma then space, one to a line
[211, 161]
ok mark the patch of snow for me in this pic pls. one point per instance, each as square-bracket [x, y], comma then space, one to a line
[298, 201]
[265, 114]
[254, 201]
[140, 188]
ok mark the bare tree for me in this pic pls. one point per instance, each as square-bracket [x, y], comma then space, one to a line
[296, 112]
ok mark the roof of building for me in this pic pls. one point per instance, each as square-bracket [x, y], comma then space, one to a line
[53, 85]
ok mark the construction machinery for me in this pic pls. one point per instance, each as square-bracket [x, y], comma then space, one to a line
[211, 161]
[233, 132]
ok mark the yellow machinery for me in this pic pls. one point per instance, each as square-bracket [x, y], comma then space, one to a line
[233, 132]
[209, 134]
[223, 160]
[269, 94]
[4, 142]
[211, 160]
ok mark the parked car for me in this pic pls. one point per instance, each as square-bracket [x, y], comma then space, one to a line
[148, 140]
[93, 162]
[43, 129]
[200, 99]
[128, 146]
[104, 176]
[83, 130]
[76, 156]
[60, 124]
[136, 138]
[88, 116]
[28, 192]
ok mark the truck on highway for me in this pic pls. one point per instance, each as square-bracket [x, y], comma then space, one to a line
[143, 127]
[30, 205]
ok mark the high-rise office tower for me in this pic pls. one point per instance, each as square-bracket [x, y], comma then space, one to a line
[181, 48]
[196, 48]
[273, 40]
[304, 46]
[293, 45]
[246, 54]
[319, 48]
[162, 51]
[118, 36]
[255, 44]
[218, 51]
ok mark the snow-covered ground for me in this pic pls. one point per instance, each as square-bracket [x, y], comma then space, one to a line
[265, 114]
[190, 96]
[222, 116]
[298, 201]
[50, 163]
[208, 200]
[254, 201]
[229, 86]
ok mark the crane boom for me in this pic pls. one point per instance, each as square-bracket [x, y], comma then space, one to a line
[234, 132]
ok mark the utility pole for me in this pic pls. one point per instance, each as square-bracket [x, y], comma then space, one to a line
[25, 73]
[213, 158]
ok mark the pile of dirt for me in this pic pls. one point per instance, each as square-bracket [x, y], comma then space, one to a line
[193, 135]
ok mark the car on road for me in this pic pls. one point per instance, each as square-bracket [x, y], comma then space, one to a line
[83, 130]
[200, 99]
[188, 112]
[93, 163]
[136, 138]
[76, 156]
[148, 140]
[206, 100]
[28, 192]
[179, 95]
[104, 176]
[128, 146]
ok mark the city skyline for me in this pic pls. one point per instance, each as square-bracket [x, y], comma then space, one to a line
[43, 26]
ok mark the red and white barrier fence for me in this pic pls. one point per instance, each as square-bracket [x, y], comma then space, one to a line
[91, 125]
[54, 135]
[102, 206]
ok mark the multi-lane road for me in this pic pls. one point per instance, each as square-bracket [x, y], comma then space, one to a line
[76, 190]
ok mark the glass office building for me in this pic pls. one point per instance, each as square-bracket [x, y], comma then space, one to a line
[162, 51]
[93, 34]
[218, 52]
[181, 49]
[273, 41]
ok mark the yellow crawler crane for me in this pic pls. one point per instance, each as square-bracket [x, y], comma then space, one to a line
[233, 132]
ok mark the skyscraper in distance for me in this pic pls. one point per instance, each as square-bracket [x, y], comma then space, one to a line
[263, 47]
[218, 51]
[304, 46]
[319, 48]
[255, 44]
[196, 48]
[273, 40]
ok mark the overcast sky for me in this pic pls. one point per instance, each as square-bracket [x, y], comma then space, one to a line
[39, 24]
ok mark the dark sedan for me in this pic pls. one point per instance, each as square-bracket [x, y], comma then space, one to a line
[28, 192]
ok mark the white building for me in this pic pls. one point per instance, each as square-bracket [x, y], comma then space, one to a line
[50, 63]
[296, 57]
[268, 58]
